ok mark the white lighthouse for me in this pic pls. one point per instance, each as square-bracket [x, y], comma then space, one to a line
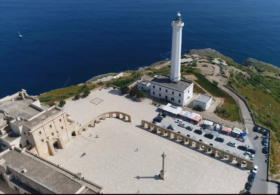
[177, 24]
[170, 87]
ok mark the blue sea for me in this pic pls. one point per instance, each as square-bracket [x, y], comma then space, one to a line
[84, 38]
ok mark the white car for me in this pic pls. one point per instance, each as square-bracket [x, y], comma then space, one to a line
[178, 121]
[249, 154]
[232, 144]
[255, 169]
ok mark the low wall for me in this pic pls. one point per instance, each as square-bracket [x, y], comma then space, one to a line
[113, 114]
[183, 139]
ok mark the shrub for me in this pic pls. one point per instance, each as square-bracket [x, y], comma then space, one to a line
[215, 83]
[198, 108]
[140, 94]
[86, 93]
[100, 83]
[62, 103]
[124, 90]
[77, 96]
[132, 92]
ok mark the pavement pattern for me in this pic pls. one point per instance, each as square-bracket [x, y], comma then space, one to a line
[127, 159]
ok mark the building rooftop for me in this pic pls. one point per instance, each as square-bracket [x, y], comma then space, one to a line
[38, 119]
[165, 81]
[43, 172]
[19, 108]
[203, 98]
[10, 137]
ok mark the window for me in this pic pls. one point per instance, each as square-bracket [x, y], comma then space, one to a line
[160, 88]
[172, 99]
[61, 127]
[23, 133]
[159, 95]
[59, 120]
[179, 95]
[166, 90]
[42, 140]
[172, 92]
[50, 126]
[153, 86]
[40, 132]
[28, 133]
[179, 101]
[154, 93]
[52, 133]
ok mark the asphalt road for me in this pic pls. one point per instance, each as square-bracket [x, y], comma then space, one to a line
[260, 184]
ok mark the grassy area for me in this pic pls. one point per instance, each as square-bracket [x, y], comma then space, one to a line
[51, 97]
[229, 110]
[125, 81]
[262, 94]
[197, 89]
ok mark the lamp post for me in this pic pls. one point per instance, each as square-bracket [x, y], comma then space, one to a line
[162, 172]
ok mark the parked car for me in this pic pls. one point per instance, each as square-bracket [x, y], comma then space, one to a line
[179, 132]
[197, 131]
[171, 127]
[154, 122]
[158, 119]
[209, 135]
[255, 169]
[189, 128]
[252, 151]
[203, 126]
[182, 125]
[244, 148]
[232, 144]
[248, 185]
[193, 137]
[265, 150]
[265, 142]
[219, 139]
[265, 133]
[200, 140]
[211, 144]
[261, 131]
[249, 154]
[188, 135]
[178, 121]
[255, 129]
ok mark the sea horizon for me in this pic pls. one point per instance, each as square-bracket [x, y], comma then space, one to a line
[84, 39]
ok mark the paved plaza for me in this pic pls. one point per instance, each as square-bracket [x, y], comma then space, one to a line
[112, 160]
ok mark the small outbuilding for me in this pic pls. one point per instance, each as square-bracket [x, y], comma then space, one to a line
[144, 83]
[203, 100]
[236, 131]
[173, 110]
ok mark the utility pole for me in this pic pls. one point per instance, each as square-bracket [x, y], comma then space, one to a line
[162, 172]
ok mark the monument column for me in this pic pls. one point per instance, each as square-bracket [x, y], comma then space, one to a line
[162, 172]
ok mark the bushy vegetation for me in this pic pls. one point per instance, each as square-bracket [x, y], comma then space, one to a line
[124, 90]
[77, 96]
[125, 81]
[61, 103]
[135, 92]
[198, 108]
[61, 94]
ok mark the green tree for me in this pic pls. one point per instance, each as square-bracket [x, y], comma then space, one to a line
[86, 93]
[124, 90]
[133, 92]
[140, 94]
[77, 96]
[62, 103]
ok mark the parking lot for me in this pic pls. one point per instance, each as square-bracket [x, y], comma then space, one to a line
[168, 120]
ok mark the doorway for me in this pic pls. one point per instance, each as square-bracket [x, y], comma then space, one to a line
[73, 134]
[55, 145]
[166, 97]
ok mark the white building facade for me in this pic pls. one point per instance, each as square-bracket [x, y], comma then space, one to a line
[177, 93]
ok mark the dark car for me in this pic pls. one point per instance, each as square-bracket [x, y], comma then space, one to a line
[265, 142]
[247, 192]
[203, 126]
[188, 135]
[163, 115]
[248, 186]
[265, 150]
[251, 177]
[255, 129]
[265, 133]
[158, 119]
[189, 128]
[252, 151]
[219, 139]
[261, 131]
[200, 140]
[197, 131]
[209, 135]
[244, 148]
[211, 144]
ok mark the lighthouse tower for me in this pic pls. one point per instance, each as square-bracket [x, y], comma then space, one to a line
[177, 24]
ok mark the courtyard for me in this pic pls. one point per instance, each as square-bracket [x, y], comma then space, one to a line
[113, 161]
